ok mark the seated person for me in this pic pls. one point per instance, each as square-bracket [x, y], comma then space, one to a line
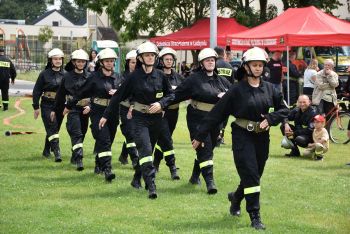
[300, 133]
[321, 139]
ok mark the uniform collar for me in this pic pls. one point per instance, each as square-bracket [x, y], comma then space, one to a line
[248, 87]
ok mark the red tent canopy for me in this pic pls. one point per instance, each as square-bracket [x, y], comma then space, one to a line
[295, 27]
[197, 36]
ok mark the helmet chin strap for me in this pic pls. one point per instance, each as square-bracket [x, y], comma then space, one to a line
[103, 66]
[206, 70]
[143, 62]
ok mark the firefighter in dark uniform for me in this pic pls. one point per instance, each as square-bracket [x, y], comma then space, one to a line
[205, 88]
[151, 93]
[300, 134]
[250, 101]
[126, 126]
[45, 89]
[224, 70]
[164, 147]
[100, 86]
[77, 118]
[7, 72]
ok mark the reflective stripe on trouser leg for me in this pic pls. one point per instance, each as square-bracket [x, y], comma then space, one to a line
[145, 160]
[5, 102]
[158, 148]
[206, 163]
[168, 153]
[104, 154]
[130, 145]
[250, 190]
[76, 146]
[54, 136]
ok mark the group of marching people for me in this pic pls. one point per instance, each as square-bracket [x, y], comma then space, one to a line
[146, 101]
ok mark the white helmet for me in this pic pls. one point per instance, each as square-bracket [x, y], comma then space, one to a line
[286, 143]
[132, 54]
[207, 53]
[107, 53]
[167, 50]
[147, 47]
[55, 53]
[255, 54]
[80, 54]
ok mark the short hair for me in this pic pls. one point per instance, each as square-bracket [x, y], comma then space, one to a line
[313, 64]
[220, 51]
[329, 61]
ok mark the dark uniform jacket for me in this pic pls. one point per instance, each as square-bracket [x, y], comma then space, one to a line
[70, 85]
[246, 102]
[200, 87]
[7, 70]
[48, 81]
[143, 88]
[174, 78]
[225, 69]
[303, 121]
[97, 85]
[275, 71]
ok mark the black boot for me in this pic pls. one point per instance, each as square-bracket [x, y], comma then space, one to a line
[256, 220]
[158, 156]
[136, 180]
[6, 106]
[173, 172]
[97, 166]
[105, 163]
[56, 150]
[109, 175]
[123, 158]
[294, 152]
[235, 208]
[73, 159]
[80, 165]
[79, 158]
[151, 186]
[47, 151]
[196, 171]
[207, 173]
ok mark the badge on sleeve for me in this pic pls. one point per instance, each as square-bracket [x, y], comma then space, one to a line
[159, 95]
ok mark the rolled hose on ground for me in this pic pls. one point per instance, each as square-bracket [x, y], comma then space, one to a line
[10, 133]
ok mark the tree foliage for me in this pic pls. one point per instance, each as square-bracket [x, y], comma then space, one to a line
[29, 10]
[326, 5]
[45, 34]
[71, 12]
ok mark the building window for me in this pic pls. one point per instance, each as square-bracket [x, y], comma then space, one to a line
[55, 23]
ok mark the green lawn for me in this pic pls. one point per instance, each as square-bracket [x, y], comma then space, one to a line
[39, 196]
[29, 76]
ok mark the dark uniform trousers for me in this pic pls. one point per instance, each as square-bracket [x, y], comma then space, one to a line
[77, 125]
[127, 128]
[204, 162]
[146, 134]
[250, 152]
[104, 137]
[164, 147]
[4, 87]
[51, 127]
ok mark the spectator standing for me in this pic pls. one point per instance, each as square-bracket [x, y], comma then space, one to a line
[310, 77]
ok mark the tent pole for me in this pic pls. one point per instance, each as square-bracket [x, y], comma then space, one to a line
[213, 23]
[288, 100]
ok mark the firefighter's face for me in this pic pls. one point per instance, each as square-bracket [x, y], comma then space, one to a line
[209, 64]
[56, 61]
[80, 64]
[168, 60]
[256, 67]
[132, 64]
[108, 64]
[148, 58]
[304, 102]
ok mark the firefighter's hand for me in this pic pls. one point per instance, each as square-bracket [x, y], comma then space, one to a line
[52, 116]
[102, 123]
[12, 82]
[155, 108]
[86, 110]
[65, 111]
[264, 124]
[129, 114]
[112, 92]
[287, 129]
[36, 113]
[196, 144]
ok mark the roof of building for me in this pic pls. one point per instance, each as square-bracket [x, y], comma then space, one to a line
[43, 16]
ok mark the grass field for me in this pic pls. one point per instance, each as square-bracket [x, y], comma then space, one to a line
[29, 76]
[298, 195]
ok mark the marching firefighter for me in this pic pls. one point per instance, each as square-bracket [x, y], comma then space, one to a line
[7, 73]
[45, 89]
[250, 101]
[126, 126]
[151, 93]
[164, 147]
[77, 118]
[205, 88]
[100, 87]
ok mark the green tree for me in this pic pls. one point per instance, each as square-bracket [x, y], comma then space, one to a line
[45, 34]
[29, 10]
[71, 12]
[326, 5]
